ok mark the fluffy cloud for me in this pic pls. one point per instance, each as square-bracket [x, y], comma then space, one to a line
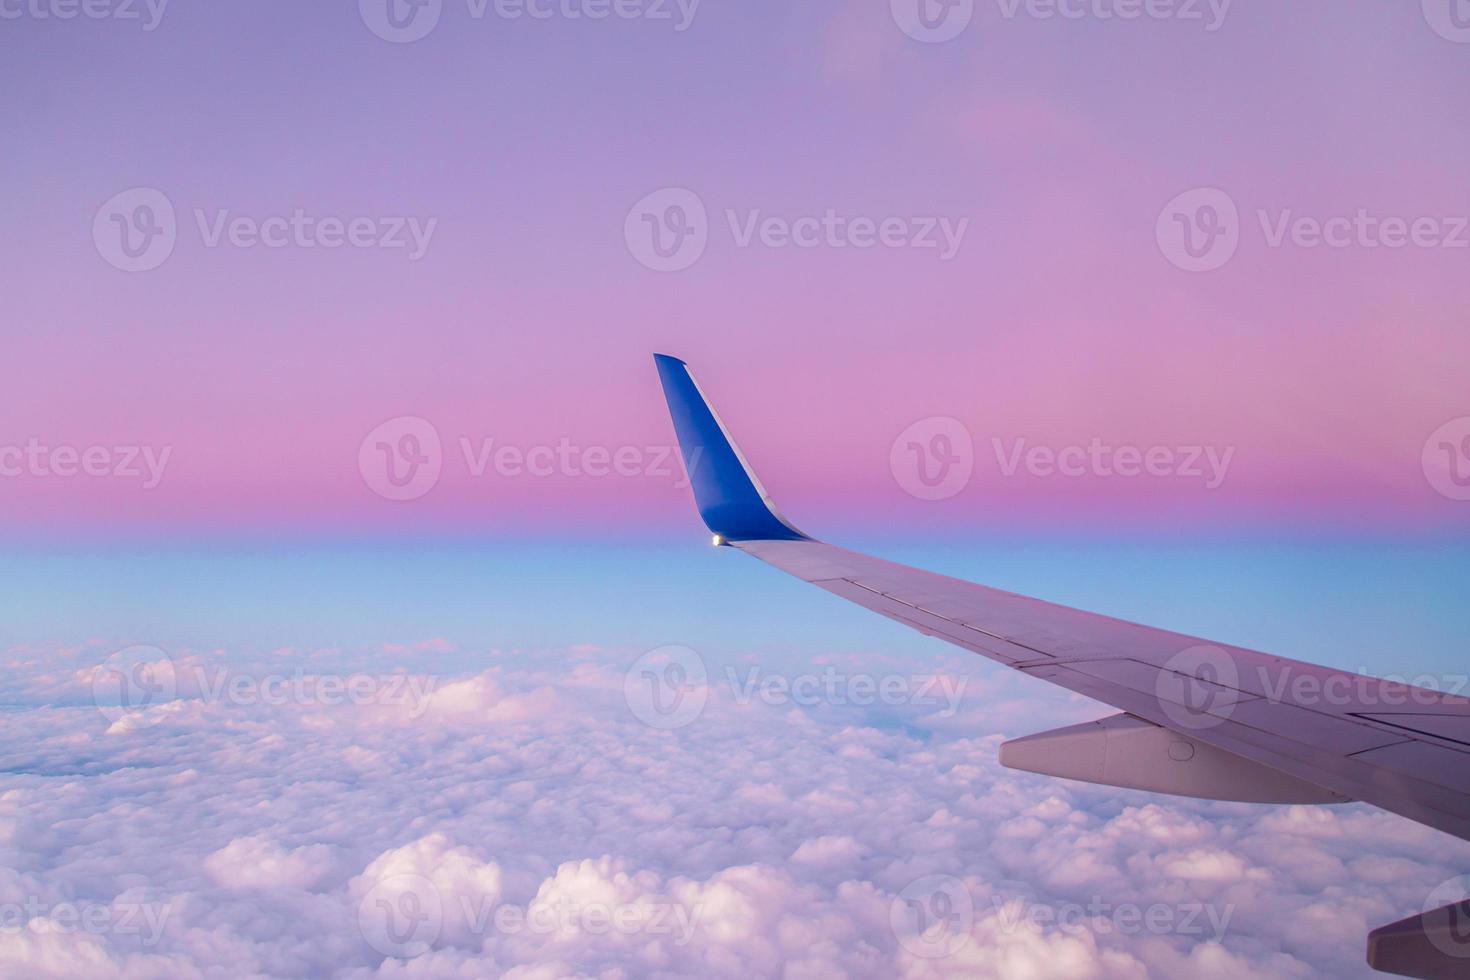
[257, 862]
[523, 822]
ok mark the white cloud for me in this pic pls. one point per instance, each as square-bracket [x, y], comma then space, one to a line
[544, 831]
[258, 862]
[837, 850]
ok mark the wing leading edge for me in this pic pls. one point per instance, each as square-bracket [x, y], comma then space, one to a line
[1198, 718]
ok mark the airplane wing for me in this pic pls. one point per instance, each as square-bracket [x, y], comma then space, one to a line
[1197, 718]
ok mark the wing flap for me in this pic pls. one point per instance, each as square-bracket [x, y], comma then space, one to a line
[1442, 766]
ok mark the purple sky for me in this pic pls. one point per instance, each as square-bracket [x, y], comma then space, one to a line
[520, 146]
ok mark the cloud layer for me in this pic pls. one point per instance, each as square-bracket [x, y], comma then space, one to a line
[524, 822]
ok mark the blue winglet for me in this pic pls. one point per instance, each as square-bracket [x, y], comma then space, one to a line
[729, 496]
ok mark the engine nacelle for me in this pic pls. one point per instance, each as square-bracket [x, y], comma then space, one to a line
[1431, 946]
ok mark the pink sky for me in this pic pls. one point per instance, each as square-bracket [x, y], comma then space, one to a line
[529, 320]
